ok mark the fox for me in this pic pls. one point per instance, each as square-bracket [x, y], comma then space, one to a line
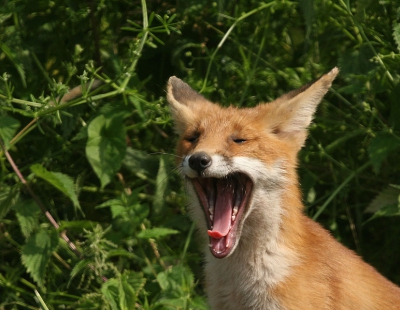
[261, 251]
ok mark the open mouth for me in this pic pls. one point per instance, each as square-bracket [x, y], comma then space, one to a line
[224, 201]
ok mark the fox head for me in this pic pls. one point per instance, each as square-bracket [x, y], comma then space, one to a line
[238, 162]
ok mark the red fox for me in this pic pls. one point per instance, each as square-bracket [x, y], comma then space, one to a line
[261, 251]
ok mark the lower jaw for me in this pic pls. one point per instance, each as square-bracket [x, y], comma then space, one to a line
[221, 248]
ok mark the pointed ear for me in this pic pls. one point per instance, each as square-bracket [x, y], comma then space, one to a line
[183, 102]
[290, 115]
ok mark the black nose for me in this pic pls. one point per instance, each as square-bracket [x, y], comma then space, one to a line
[199, 162]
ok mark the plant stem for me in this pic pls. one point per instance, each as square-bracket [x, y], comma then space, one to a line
[339, 188]
[238, 20]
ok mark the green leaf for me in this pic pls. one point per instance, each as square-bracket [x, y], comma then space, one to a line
[8, 197]
[106, 146]
[175, 278]
[387, 211]
[380, 147]
[307, 6]
[62, 182]
[396, 35]
[135, 280]
[81, 265]
[121, 292]
[76, 225]
[8, 128]
[388, 196]
[156, 233]
[27, 213]
[356, 61]
[16, 62]
[140, 163]
[161, 186]
[37, 252]
[110, 292]
[123, 253]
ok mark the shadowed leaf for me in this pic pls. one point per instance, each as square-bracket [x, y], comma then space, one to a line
[106, 146]
[62, 182]
[37, 252]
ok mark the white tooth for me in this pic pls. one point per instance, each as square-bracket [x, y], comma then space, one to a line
[235, 210]
[211, 210]
[233, 217]
[211, 217]
[212, 227]
[210, 245]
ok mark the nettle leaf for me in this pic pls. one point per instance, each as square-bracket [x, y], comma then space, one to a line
[61, 181]
[27, 212]
[175, 284]
[157, 232]
[36, 253]
[8, 128]
[106, 146]
[110, 292]
[175, 278]
[79, 267]
[388, 196]
[8, 198]
[380, 147]
[396, 35]
[121, 292]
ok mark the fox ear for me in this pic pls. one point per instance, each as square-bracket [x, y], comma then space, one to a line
[183, 102]
[291, 114]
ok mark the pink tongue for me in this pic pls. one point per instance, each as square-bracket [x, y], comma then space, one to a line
[222, 210]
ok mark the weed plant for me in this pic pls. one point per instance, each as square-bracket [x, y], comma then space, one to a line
[92, 212]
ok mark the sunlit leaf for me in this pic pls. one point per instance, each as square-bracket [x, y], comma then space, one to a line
[156, 233]
[161, 186]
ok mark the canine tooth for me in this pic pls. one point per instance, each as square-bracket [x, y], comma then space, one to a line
[233, 217]
[211, 210]
[211, 217]
[235, 210]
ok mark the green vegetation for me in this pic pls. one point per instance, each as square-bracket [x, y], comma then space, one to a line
[92, 212]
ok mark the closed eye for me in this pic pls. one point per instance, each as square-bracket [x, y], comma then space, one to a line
[239, 140]
[192, 138]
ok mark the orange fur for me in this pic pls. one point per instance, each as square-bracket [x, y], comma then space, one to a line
[263, 252]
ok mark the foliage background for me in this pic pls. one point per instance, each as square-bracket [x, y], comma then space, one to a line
[101, 163]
